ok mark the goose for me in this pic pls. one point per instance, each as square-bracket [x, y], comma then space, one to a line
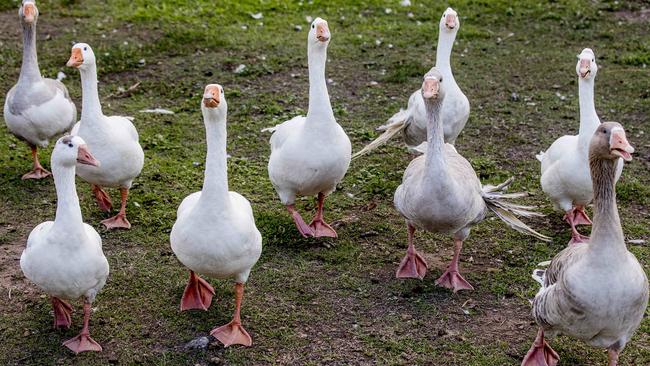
[64, 257]
[215, 233]
[598, 292]
[310, 155]
[36, 108]
[440, 192]
[413, 121]
[565, 176]
[114, 140]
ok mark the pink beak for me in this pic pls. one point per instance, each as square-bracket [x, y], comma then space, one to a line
[450, 21]
[585, 68]
[618, 145]
[85, 157]
[430, 88]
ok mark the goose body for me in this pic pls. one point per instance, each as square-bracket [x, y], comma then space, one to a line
[215, 233]
[113, 139]
[596, 292]
[441, 192]
[413, 121]
[64, 257]
[565, 175]
[36, 109]
[310, 155]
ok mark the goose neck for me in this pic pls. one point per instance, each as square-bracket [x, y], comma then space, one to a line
[215, 184]
[91, 106]
[435, 162]
[588, 118]
[319, 99]
[443, 51]
[29, 71]
[68, 213]
[607, 235]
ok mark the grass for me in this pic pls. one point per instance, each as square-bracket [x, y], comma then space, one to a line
[323, 301]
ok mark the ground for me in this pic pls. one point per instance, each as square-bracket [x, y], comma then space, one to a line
[323, 301]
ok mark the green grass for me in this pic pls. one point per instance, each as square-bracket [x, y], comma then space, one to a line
[314, 302]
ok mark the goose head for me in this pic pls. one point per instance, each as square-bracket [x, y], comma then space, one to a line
[319, 33]
[586, 67]
[214, 101]
[449, 21]
[28, 12]
[70, 150]
[81, 56]
[432, 87]
[610, 143]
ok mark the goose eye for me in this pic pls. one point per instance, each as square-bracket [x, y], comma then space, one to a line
[313, 26]
[441, 79]
[85, 48]
[604, 130]
[593, 60]
[70, 145]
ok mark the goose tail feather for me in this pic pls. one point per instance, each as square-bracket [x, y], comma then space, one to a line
[394, 125]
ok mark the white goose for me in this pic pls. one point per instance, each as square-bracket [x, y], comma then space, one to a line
[596, 293]
[310, 155]
[215, 233]
[36, 108]
[114, 140]
[455, 110]
[64, 257]
[565, 167]
[440, 192]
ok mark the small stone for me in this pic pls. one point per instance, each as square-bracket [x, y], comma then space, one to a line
[240, 69]
[257, 16]
[198, 343]
[636, 241]
[297, 27]
[514, 97]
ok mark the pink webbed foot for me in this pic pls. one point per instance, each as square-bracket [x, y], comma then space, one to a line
[197, 295]
[321, 228]
[540, 353]
[232, 333]
[413, 265]
[304, 229]
[82, 343]
[36, 173]
[102, 198]
[62, 313]
[577, 238]
[580, 216]
[453, 280]
[118, 221]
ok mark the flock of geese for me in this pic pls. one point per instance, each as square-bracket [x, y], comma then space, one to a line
[594, 290]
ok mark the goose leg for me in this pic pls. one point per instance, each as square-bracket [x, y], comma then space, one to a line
[197, 295]
[62, 313]
[38, 172]
[119, 221]
[613, 357]
[83, 342]
[540, 353]
[302, 227]
[318, 225]
[580, 216]
[102, 198]
[570, 217]
[413, 264]
[234, 332]
[452, 278]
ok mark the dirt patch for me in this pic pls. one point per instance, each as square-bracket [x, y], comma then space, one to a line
[637, 16]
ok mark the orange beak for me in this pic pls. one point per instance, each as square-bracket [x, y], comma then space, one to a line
[211, 96]
[450, 21]
[585, 68]
[430, 88]
[76, 59]
[85, 157]
[29, 12]
[618, 145]
[322, 32]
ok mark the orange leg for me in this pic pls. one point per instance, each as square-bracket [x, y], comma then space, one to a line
[452, 278]
[413, 264]
[302, 227]
[38, 172]
[83, 342]
[119, 221]
[234, 332]
[198, 294]
[540, 353]
[318, 225]
[62, 313]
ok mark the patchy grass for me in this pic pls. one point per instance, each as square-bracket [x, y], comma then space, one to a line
[332, 301]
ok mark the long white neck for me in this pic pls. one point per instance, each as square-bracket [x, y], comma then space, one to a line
[29, 71]
[443, 52]
[589, 120]
[319, 99]
[91, 107]
[435, 162]
[215, 184]
[607, 240]
[68, 212]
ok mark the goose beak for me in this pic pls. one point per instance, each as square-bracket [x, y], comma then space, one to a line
[29, 12]
[76, 58]
[211, 96]
[619, 146]
[450, 21]
[85, 157]
[585, 68]
[430, 88]
[322, 32]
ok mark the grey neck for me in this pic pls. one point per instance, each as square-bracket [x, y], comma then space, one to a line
[215, 184]
[319, 99]
[435, 162]
[606, 234]
[29, 71]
